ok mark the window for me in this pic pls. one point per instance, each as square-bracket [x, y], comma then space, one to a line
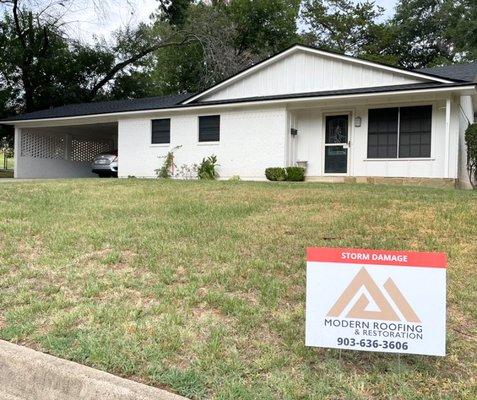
[209, 128]
[415, 132]
[400, 132]
[383, 133]
[161, 131]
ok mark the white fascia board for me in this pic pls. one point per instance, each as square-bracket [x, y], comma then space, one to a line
[463, 90]
[322, 53]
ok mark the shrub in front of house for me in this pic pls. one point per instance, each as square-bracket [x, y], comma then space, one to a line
[471, 142]
[295, 174]
[208, 168]
[168, 166]
[276, 174]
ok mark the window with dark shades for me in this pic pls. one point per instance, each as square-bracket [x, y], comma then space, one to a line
[209, 128]
[161, 131]
[403, 132]
[383, 133]
[415, 132]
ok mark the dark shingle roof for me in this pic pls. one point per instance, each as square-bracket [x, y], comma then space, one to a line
[464, 72]
[170, 102]
[341, 92]
[104, 107]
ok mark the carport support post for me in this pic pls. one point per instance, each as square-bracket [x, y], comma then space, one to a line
[67, 147]
[16, 150]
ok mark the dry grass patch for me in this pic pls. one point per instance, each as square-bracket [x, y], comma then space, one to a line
[199, 287]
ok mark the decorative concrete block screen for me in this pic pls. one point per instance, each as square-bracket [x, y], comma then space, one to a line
[41, 145]
[62, 146]
[85, 149]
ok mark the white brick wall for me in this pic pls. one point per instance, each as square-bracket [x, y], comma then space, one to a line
[250, 141]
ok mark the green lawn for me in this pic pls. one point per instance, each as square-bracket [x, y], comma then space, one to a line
[10, 162]
[199, 287]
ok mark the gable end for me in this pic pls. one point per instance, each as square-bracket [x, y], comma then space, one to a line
[302, 69]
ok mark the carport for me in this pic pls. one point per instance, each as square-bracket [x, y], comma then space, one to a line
[62, 151]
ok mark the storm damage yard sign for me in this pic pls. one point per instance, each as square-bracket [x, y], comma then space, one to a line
[376, 300]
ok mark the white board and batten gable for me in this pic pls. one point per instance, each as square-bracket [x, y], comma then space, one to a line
[302, 69]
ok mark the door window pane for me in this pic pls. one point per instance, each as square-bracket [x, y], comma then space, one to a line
[336, 129]
[336, 160]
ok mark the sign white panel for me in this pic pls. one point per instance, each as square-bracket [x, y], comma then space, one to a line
[376, 300]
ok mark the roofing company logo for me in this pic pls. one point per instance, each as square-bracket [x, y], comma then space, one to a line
[386, 311]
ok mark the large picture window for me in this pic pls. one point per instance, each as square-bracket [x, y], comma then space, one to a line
[403, 132]
[209, 128]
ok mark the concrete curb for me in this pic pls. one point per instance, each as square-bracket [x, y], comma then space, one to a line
[26, 374]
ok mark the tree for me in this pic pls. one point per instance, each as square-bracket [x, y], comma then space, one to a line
[433, 32]
[228, 36]
[464, 32]
[342, 25]
[174, 11]
[264, 27]
[45, 68]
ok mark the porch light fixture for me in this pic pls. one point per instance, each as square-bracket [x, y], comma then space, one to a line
[357, 122]
[293, 131]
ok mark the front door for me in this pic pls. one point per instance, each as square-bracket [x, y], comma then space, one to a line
[336, 144]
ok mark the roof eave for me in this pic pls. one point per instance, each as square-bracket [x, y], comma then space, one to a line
[462, 89]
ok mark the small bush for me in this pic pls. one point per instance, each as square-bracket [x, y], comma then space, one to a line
[471, 142]
[167, 169]
[207, 168]
[276, 174]
[186, 172]
[295, 174]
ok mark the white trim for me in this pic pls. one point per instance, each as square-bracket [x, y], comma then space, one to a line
[214, 143]
[16, 150]
[401, 159]
[349, 114]
[447, 136]
[314, 51]
[112, 116]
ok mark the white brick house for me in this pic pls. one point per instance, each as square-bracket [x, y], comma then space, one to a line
[340, 116]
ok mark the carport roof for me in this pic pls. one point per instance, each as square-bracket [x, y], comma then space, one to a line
[103, 107]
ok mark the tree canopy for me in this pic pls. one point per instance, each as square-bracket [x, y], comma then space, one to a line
[188, 45]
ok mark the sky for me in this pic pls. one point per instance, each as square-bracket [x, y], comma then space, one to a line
[86, 22]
